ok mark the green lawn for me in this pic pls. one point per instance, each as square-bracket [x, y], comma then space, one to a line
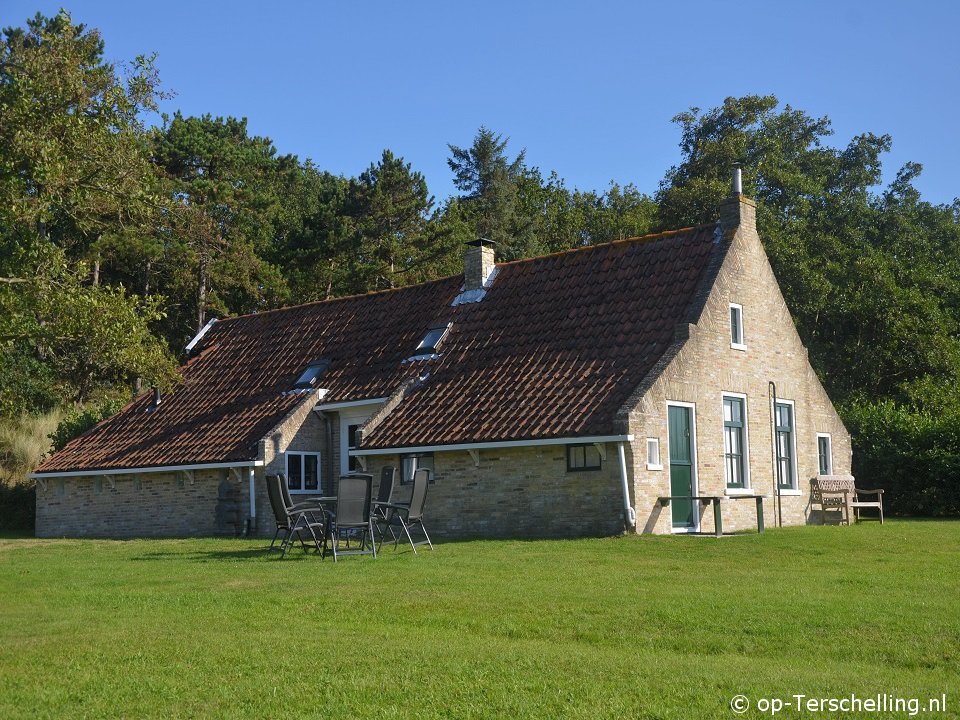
[632, 627]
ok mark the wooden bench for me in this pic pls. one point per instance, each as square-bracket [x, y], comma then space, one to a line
[839, 492]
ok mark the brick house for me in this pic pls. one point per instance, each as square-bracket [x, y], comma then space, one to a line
[555, 396]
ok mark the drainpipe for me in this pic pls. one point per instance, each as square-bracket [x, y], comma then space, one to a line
[772, 388]
[253, 501]
[629, 514]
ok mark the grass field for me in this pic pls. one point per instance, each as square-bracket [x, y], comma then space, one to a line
[632, 627]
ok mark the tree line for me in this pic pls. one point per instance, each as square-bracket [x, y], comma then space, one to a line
[119, 240]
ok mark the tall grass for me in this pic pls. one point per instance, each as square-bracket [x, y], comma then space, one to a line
[24, 440]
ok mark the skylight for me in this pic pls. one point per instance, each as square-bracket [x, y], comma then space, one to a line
[314, 370]
[429, 344]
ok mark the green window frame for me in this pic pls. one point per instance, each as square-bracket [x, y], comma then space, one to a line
[735, 441]
[786, 455]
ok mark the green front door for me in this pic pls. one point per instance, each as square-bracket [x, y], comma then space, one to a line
[681, 465]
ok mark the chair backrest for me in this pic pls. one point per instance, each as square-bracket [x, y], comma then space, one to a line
[385, 491]
[274, 485]
[421, 480]
[353, 499]
[285, 490]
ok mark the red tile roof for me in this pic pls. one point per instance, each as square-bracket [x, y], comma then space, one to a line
[554, 350]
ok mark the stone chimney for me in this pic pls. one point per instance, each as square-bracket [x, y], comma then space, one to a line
[738, 211]
[478, 263]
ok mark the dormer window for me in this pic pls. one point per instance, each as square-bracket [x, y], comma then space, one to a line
[308, 378]
[736, 327]
[432, 340]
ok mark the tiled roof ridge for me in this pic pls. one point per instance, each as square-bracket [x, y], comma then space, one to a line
[342, 298]
[650, 237]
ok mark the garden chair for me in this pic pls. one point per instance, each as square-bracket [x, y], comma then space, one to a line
[410, 514]
[381, 513]
[353, 516]
[292, 522]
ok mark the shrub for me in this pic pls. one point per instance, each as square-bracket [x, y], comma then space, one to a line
[913, 455]
[18, 504]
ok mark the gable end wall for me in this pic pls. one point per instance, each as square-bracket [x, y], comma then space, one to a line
[704, 367]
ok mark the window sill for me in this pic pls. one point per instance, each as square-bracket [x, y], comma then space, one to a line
[740, 491]
[654, 467]
[791, 492]
[738, 346]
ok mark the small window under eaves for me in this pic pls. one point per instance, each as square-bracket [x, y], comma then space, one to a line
[313, 371]
[432, 340]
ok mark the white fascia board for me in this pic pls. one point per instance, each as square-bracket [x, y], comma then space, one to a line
[495, 445]
[196, 338]
[153, 469]
[350, 404]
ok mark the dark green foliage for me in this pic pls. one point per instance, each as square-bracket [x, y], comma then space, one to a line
[18, 502]
[488, 181]
[79, 420]
[393, 241]
[27, 385]
[913, 455]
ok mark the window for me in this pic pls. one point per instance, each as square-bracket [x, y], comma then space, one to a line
[429, 344]
[824, 454]
[786, 469]
[308, 378]
[409, 464]
[653, 454]
[303, 472]
[353, 463]
[734, 441]
[583, 457]
[736, 327]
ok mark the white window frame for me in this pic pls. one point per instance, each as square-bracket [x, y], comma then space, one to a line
[654, 460]
[829, 438]
[747, 488]
[302, 454]
[795, 490]
[346, 420]
[742, 345]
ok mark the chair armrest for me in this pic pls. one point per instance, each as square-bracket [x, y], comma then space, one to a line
[868, 492]
[301, 506]
[396, 507]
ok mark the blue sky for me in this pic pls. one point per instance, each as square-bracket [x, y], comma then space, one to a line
[588, 88]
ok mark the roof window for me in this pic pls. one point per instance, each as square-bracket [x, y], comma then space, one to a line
[429, 344]
[314, 370]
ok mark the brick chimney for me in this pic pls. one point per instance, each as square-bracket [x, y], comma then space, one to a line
[737, 210]
[478, 263]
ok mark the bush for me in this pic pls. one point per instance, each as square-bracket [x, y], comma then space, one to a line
[18, 504]
[913, 455]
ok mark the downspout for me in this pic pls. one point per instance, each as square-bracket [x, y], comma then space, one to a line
[772, 387]
[253, 501]
[629, 514]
